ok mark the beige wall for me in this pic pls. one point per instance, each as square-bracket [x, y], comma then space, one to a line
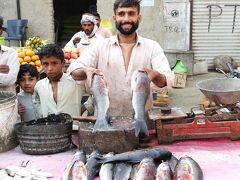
[8, 10]
[39, 15]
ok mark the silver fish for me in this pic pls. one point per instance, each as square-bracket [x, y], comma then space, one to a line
[172, 163]
[140, 85]
[78, 171]
[106, 171]
[134, 171]
[122, 171]
[69, 172]
[17, 172]
[134, 157]
[146, 170]
[188, 169]
[164, 172]
[93, 165]
[100, 93]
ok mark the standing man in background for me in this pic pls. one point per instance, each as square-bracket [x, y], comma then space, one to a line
[88, 34]
[104, 32]
[1, 31]
[9, 67]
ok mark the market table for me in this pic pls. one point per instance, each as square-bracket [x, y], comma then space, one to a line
[218, 158]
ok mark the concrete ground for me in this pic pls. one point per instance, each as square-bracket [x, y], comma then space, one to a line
[189, 96]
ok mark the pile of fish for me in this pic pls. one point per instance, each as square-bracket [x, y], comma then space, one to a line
[149, 164]
[18, 172]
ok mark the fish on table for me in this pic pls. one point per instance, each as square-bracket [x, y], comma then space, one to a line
[133, 157]
[107, 169]
[187, 169]
[172, 163]
[164, 171]
[93, 164]
[76, 168]
[18, 172]
[146, 170]
[122, 171]
[133, 171]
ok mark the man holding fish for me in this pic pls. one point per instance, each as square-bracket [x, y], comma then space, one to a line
[128, 63]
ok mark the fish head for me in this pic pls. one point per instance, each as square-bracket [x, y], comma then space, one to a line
[184, 169]
[160, 154]
[80, 155]
[164, 166]
[147, 160]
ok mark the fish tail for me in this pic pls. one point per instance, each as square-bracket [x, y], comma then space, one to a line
[140, 126]
[100, 125]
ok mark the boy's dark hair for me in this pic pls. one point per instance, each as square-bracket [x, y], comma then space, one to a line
[126, 3]
[27, 68]
[51, 50]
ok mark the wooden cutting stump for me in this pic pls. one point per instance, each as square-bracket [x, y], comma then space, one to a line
[120, 137]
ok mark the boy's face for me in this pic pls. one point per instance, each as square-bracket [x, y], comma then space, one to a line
[53, 67]
[27, 83]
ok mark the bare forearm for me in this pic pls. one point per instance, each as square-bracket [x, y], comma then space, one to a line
[159, 80]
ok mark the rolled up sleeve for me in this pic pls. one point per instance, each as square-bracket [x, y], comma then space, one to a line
[9, 58]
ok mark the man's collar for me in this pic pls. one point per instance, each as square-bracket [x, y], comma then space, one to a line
[114, 40]
[91, 36]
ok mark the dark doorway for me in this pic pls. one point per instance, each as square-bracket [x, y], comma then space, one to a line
[67, 16]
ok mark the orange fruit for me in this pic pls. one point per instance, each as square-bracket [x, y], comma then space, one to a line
[30, 52]
[24, 63]
[27, 59]
[24, 50]
[35, 57]
[38, 63]
[32, 63]
[21, 54]
[18, 50]
[39, 68]
[20, 60]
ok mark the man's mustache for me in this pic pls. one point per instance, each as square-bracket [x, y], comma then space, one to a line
[126, 23]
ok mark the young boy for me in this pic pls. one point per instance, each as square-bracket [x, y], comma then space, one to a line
[27, 78]
[58, 92]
